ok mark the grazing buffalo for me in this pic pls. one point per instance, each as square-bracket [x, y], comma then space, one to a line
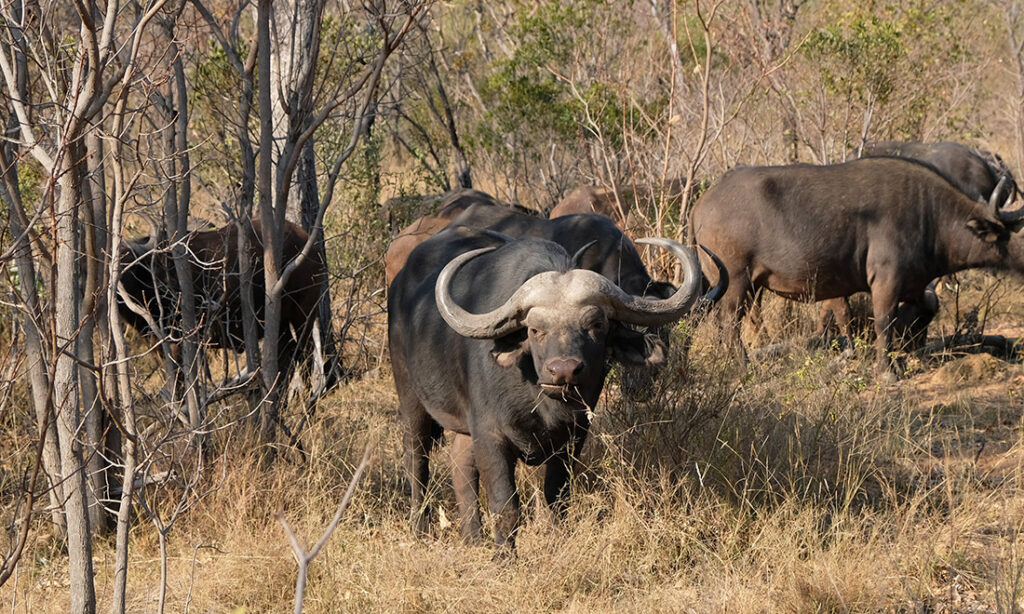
[974, 172]
[613, 254]
[452, 204]
[149, 281]
[524, 335]
[885, 225]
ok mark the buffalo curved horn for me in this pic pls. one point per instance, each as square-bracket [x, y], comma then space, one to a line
[643, 311]
[1009, 218]
[575, 262]
[998, 201]
[497, 323]
[998, 197]
[574, 285]
[154, 232]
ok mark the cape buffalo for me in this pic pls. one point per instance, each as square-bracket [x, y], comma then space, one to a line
[149, 280]
[618, 205]
[884, 225]
[613, 255]
[523, 336]
[452, 204]
[976, 173]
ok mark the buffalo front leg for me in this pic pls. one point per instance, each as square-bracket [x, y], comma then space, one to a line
[420, 436]
[557, 474]
[732, 308]
[466, 480]
[497, 466]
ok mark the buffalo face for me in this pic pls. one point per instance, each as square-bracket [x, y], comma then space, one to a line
[568, 322]
[565, 348]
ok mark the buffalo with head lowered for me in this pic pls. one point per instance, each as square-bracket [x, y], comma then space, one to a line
[884, 225]
[506, 341]
[150, 291]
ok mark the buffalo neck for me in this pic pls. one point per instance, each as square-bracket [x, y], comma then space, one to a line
[958, 247]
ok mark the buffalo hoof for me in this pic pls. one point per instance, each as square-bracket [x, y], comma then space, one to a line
[419, 522]
[888, 372]
[472, 535]
[505, 554]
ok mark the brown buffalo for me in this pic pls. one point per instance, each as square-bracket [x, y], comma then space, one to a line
[149, 281]
[618, 205]
[975, 172]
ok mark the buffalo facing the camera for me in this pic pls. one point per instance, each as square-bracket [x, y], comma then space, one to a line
[525, 336]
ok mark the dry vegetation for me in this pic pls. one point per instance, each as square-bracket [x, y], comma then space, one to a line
[799, 485]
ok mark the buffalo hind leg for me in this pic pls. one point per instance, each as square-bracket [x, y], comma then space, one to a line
[883, 303]
[466, 480]
[835, 315]
[420, 435]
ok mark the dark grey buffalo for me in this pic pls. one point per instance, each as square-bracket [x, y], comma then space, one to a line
[884, 225]
[506, 340]
[975, 172]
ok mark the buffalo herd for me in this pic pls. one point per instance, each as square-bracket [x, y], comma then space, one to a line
[502, 325]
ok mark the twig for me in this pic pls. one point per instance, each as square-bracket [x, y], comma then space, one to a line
[303, 557]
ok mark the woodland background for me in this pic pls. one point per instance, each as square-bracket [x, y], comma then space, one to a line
[799, 485]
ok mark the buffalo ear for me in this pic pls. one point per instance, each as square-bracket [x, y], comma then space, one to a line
[631, 347]
[986, 230]
[508, 350]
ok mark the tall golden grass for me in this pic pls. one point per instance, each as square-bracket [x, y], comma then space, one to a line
[800, 485]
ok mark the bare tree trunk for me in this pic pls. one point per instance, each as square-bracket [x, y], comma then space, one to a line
[32, 315]
[176, 209]
[118, 357]
[295, 45]
[32, 323]
[310, 201]
[269, 408]
[70, 424]
[126, 405]
[88, 382]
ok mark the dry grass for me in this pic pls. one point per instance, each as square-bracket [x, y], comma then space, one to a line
[799, 486]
